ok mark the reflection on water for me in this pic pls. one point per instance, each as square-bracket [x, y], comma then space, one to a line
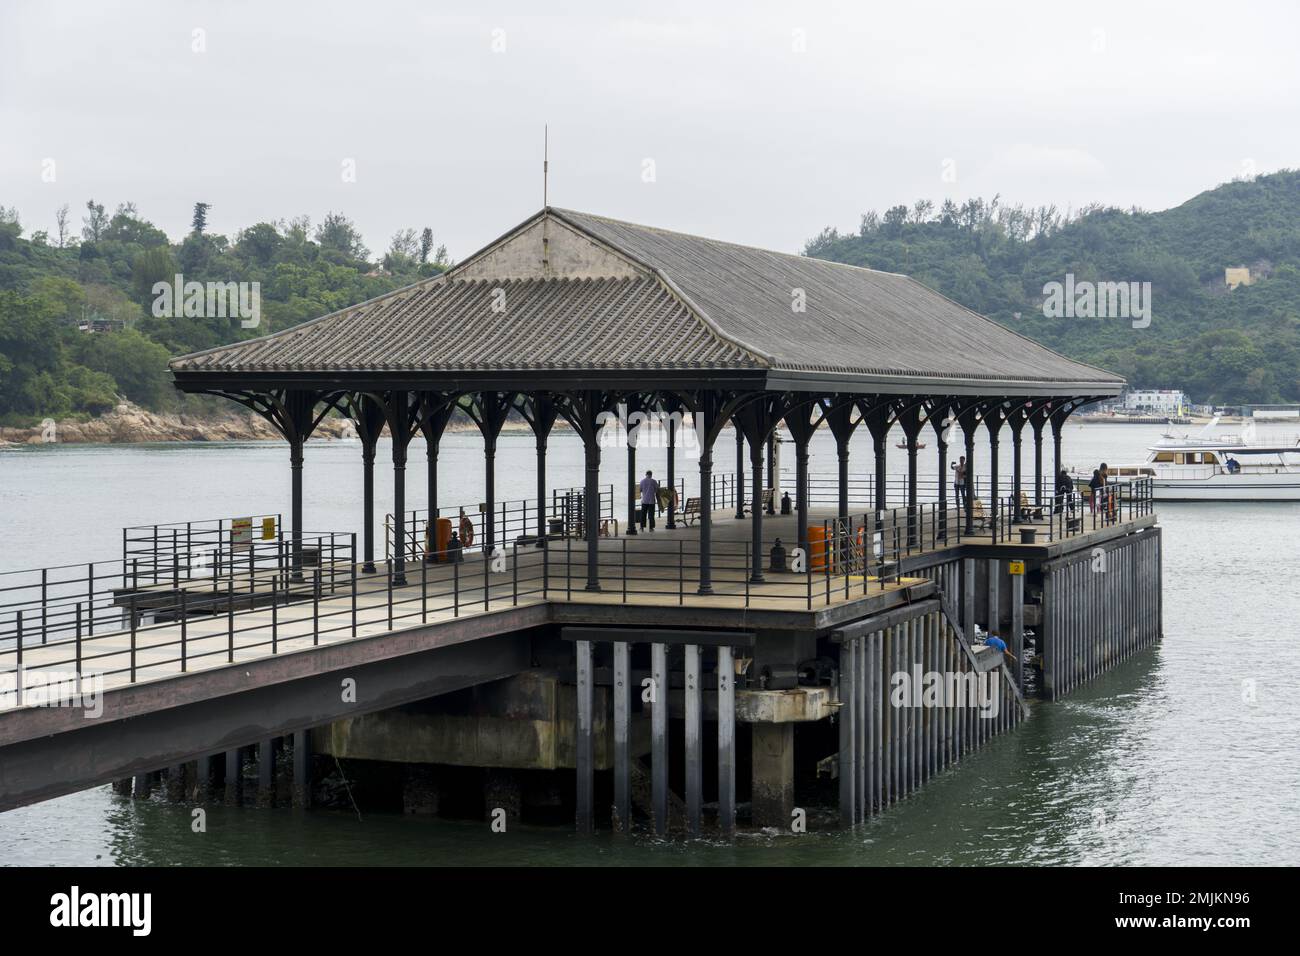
[1185, 754]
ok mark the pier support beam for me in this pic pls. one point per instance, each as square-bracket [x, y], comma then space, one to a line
[200, 788]
[234, 772]
[1017, 642]
[584, 758]
[266, 773]
[659, 736]
[848, 765]
[176, 782]
[302, 769]
[726, 741]
[994, 572]
[694, 755]
[143, 786]
[622, 718]
[772, 753]
[968, 597]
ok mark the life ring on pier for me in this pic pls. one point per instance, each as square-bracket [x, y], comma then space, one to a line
[466, 531]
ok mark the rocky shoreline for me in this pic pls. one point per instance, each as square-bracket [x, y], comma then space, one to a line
[130, 424]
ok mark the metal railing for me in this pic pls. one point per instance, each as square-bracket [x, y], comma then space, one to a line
[1081, 511]
[517, 518]
[154, 551]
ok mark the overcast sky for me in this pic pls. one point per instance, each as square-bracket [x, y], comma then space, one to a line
[763, 122]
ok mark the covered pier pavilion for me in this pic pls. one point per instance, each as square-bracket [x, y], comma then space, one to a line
[581, 318]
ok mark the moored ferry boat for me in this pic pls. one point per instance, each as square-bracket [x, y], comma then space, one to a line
[1226, 468]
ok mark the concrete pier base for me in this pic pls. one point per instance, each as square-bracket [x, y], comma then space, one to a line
[176, 783]
[266, 773]
[772, 752]
[143, 786]
[201, 783]
[302, 762]
[234, 772]
[122, 787]
[501, 790]
[420, 794]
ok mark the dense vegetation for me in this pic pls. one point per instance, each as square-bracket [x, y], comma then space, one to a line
[1219, 346]
[50, 285]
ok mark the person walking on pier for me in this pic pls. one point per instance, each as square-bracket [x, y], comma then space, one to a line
[959, 481]
[649, 500]
[1107, 494]
[1064, 488]
[1096, 487]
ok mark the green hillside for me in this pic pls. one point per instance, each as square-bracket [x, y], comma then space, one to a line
[104, 273]
[1220, 346]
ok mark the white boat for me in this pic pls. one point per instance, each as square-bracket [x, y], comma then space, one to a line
[1224, 468]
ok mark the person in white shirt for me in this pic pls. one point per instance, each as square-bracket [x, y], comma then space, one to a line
[649, 500]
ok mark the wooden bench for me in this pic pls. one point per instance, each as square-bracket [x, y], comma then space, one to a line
[766, 499]
[690, 512]
[979, 517]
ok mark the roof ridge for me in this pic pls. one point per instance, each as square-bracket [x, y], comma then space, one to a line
[798, 256]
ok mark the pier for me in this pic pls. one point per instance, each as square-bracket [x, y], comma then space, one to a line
[750, 650]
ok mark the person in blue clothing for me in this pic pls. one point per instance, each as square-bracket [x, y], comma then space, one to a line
[999, 644]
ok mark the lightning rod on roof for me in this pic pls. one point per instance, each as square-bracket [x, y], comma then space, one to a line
[546, 150]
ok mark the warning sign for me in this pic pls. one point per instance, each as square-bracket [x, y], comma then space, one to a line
[241, 534]
[1015, 567]
[268, 529]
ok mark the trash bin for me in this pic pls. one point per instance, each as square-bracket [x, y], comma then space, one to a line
[1028, 535]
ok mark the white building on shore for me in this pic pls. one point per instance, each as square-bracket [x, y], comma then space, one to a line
[1156, 401]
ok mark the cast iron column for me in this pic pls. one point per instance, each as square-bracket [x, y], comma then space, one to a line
[672, 471]
[756, 509]
[740, 470]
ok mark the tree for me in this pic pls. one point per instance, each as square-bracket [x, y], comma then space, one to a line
[338, 233]
[426, 244]
[259, 243]
[150, 267]
[894, 220]
[94, 223]
[61, 224]
[200, 220]
[402, 251]
[10, 228]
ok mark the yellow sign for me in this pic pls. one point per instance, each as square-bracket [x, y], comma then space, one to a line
[1015, 567]
[268, 529]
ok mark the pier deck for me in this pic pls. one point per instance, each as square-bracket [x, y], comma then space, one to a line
[650, 577]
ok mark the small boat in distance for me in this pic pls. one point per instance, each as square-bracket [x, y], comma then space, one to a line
[903, 445]
[1223, 468]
